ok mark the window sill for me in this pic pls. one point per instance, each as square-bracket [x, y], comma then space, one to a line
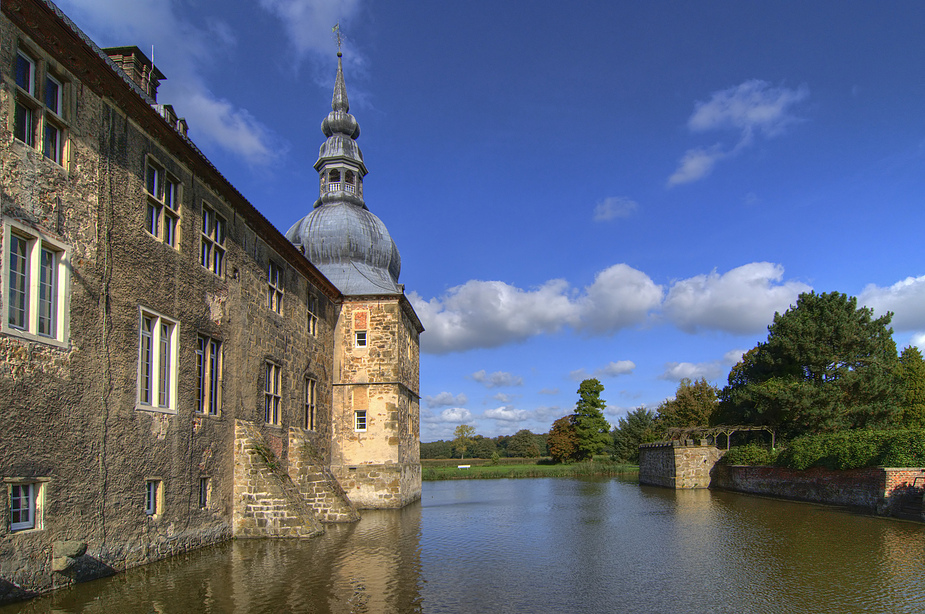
[33, 337]
[156, 410]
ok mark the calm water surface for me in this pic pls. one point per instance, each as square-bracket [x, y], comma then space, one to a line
[545, 545]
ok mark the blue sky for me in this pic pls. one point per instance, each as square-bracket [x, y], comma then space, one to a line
[627, 191]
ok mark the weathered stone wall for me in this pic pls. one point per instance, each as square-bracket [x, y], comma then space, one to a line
[378, 466]
[876, 489]
[71, 416]
[266, 501]
[317, 485]
[674, 465]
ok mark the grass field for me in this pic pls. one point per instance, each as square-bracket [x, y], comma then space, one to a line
[594, 468]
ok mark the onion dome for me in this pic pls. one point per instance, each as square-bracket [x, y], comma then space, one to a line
[348, 243]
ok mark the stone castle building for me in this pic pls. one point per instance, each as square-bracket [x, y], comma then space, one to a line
[174, 371]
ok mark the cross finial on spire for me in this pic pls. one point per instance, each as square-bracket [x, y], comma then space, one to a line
[338, 37]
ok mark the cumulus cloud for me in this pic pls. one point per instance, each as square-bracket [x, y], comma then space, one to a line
[918, 340]
[906, 299]
[613, 369]
[452, 415]
[549, 391]
[614, 207]
[676, 371]
[183, 50]
[482, 314]
[445, 399]
[503, 398]
[497, 379]
[752, 108]
[741, 301]
[507, 414]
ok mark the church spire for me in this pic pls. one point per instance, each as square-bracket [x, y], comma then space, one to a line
[340, 161]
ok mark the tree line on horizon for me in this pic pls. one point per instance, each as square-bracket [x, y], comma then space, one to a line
[826, 366]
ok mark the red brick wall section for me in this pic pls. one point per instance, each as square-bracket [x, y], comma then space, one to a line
[877, 488]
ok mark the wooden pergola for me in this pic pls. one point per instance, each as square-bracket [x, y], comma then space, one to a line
[710, 433]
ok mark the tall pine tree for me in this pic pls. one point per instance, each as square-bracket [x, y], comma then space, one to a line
[591, 428]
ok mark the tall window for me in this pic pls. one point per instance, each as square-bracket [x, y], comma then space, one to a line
[275, 288]
[209, 375]
[24, 510]
[310, 403]
[359, 420]
[35, 275]
[153, 497]
[312, 315]
[271, 392]
[204, 488]
[39, 112]
[163, 207]
[212, 254]
[157, 362]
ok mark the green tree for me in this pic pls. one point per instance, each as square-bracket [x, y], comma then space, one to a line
[436, 449]
[563, 441]
[483, 447]
[462, 437]
[638, 427]
[591, 428]
[693, 405]
[827, 365]
[912, 375]
[523, 444]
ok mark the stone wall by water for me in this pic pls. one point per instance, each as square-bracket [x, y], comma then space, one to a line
[677, 464]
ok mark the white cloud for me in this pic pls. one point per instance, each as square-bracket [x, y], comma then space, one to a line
[549, 391]
[733, 356]
[676, 371]
[182, 51]
[906, 299]
[503, 398]
[507, 414]
[613, 369]
[452, 415]
[481, 314]
[741, 301]
[696, 164]
[614, 207]
[751, 108]
[620, 297]
[918, 340]
[309, 23]
[754, 105]
[497, 379]
[445, 399]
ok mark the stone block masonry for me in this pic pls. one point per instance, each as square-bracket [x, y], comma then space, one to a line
[266, 501]
[675, 465]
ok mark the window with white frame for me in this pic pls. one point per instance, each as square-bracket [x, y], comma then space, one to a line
[39, 107]
[25, 505]
[360, 338]
[163, 203]
[205, 486]
[212, 252]
[209, 375]
[359, 420]
[312, 315]
[271, 393]
[154, 503]
[35, 280]
[310, 386]
[157, 362]
[275, 288]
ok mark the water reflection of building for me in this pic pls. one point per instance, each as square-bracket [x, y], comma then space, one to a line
[173, 370]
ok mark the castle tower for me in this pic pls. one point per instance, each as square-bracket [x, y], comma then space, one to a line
[375, 448]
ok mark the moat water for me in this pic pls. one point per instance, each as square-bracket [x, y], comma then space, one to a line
[545, 545]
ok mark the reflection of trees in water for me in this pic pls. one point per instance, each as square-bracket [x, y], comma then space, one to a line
[370, 566]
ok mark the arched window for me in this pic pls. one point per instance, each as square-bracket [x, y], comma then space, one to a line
[334, 176]
[348, 177]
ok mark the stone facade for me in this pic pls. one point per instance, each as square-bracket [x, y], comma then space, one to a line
[677, 465]
[168, 359]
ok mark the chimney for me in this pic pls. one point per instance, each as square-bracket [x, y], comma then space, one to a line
[138, 68]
